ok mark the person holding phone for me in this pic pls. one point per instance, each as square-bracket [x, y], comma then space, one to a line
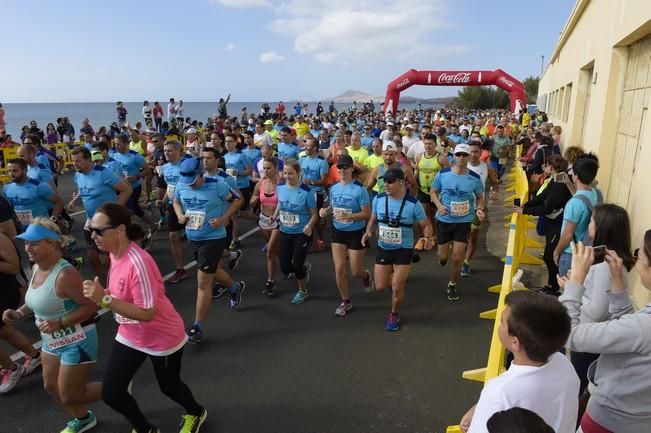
[611, 230]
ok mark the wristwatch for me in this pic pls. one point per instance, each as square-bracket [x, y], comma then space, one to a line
[106, 301]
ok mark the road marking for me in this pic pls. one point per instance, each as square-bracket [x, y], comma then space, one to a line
[192, 264]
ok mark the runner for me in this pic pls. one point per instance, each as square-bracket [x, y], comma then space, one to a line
[315, 172]
[350, 207]
[395, 212]
[148, 324]
[171, 172]
[297, 215]
[458, 196]
[30, 198]
[428, 166]
[238, 166]
[96, 185]
[205, 205]
[286, 148]
[486, 173]
[64, 318]
[266, 196]
[375, 181]
[100, 156]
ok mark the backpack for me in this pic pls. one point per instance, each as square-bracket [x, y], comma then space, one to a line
[587, 240]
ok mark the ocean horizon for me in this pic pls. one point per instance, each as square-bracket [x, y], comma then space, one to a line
[18, 115]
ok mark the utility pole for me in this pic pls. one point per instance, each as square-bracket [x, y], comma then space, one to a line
[542, 65]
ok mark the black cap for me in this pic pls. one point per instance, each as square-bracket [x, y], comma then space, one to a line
[393, 174]
[344, 161]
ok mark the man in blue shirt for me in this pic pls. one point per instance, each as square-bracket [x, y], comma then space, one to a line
[315, 173]
[204, 206]
[239, 167]
[96, 185]
[458, 195]
[286, 148]
[577, 211]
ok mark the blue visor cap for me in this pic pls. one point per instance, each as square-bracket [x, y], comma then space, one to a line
[190, 170]
[36, 232]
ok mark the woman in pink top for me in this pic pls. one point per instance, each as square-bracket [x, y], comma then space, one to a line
[149, 326]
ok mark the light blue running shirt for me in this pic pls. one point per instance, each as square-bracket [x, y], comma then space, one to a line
[201, 205]
[287, 150]
[349, 197]
[458, 193]
[29, 199]
[222, 176]
[239, 162]
[171, 173]
[115, 166]
[40, 172]
[252, 154]
[314, 168]
[577, 212]
[96, 188]
[401, 236]
[294, 204]
[132, 162]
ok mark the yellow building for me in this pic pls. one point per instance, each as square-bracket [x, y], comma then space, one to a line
[597, 86]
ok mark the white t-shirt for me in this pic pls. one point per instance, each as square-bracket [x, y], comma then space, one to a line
[179, 111]
[171, 110]
[264, 138]
[481, 170]
[415, 150]
[551, 391]
[408, 141]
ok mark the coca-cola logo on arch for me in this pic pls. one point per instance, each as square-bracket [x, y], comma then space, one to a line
[507, 82]
[458, 78]
[403, 83]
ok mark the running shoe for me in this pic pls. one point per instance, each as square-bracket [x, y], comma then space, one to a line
[148, 240]
[452, 292]
[343, 308]
[307, 267]
[465, 270]
[234, 245]
[179, 275]
[269, 287]
[81, 425]
[369, 284]
[218, 291]
[236, 297]
[194, 335]
[232, 263]
[30, 364]
[192, 423]
[393, 322]
[9, 378]
[300, 297]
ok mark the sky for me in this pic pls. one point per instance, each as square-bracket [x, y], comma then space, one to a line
[261, 50]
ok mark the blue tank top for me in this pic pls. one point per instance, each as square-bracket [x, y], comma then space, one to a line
[44, 301]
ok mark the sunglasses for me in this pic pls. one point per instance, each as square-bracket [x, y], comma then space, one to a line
[462, 155]
[99, 231]
[343, 167]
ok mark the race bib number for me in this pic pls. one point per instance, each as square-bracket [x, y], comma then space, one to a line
[170, 191]
[195, 219]
[288, 219]
[124, 320]
[342, 214]
[391, 235]
[459, 208]
[24, 216]
[65, 337]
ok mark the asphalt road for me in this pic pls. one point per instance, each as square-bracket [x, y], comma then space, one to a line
[280, 368]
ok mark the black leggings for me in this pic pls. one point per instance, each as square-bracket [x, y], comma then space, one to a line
[292, 253]
[122, 366]
[552, 236]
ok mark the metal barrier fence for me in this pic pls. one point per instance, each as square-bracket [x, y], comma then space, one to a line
[516, 254]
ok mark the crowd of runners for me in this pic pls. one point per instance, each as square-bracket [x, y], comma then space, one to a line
[403, 184]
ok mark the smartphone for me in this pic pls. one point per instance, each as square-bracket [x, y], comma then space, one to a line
[516, 202]
[599, 254]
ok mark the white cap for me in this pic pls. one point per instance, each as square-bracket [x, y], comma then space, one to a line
[410, 126]
[389, 123]
[462, 148]
[389, 146]
[191, 131]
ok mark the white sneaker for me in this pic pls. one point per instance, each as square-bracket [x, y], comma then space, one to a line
[9, 378]
[343, 309]
[30, 364]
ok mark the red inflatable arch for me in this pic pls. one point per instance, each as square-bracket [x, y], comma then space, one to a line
[497, 78]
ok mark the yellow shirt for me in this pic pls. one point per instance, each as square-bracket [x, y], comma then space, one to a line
[359, 156]
[526, 119]
[374, 160]
[301, 128]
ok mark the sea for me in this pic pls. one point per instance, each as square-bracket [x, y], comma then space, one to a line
[18, 115]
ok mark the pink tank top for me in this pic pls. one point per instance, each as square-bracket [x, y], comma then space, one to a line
[267, 199]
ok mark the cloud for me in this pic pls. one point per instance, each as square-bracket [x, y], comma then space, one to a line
[363, 31]
[242, 4]
[229, 47]
[271, 57]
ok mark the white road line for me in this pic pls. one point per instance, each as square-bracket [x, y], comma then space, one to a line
[192, 264]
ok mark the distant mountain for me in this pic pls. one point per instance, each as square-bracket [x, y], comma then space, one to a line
[349, 96]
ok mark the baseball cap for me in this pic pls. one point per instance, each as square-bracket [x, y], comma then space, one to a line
[389, 123]
[344, 161]
[190, 169]
[191, 131]
[96, 155]
[410, 126]
[389, 146]
[37, 232]
[462, 148]
[268, 122]
[393, 174]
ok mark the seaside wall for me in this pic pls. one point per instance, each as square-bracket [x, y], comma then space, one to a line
[597, 86]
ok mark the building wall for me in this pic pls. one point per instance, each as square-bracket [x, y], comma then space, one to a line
[597, 86]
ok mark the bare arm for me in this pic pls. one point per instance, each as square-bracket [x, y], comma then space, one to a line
[9, 260]
[124, 191]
